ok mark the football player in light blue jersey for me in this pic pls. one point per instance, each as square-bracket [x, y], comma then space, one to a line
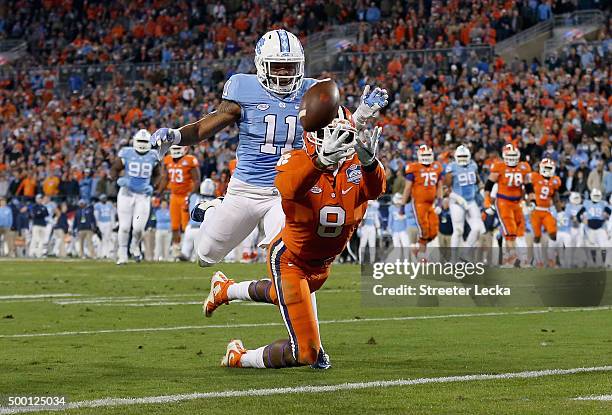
[398, 226]
[368, 230]
[141, 173]
[104, 213]
[265, 106]
[594, 214]
[461, 177]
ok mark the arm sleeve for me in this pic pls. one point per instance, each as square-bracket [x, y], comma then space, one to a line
[373, 183]
[297, 174]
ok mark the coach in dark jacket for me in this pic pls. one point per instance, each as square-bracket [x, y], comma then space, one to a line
[84, 227]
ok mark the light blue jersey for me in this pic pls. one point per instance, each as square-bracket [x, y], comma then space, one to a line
[397, 222]
[372, 215]
[464, 179]
[571, 210]
[564, 221]
[410, 218]
[51, 207]
[268, 126]
[595, 211]
[163, 219]
[104, 212]
[138, 170]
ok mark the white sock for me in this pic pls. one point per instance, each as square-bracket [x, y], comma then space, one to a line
[537, 252]
[239, 291]
[253, 358]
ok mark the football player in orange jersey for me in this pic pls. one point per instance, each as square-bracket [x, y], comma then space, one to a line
[182, 177]
[424, 187]
[545, 185]
[325, 188]
[510, 176]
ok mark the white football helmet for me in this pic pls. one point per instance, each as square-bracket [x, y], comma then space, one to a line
[207, 188]
[176, 152]
[142, 141]
[344, 119]
[463, 155]
[547, 168]
[574, 198]
[596, 195]
[425, 154]
[511, 155]
[279, 48]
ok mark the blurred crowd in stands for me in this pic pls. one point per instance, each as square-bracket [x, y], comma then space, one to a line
[61, 145]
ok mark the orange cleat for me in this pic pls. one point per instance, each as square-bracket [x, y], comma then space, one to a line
[219, 284]
[234, 352]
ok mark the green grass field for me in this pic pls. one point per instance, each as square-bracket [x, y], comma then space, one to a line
[138, 331]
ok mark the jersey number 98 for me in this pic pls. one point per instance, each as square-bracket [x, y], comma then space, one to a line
[142, 170]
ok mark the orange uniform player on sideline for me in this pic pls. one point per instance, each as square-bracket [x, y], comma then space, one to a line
[325, 188]
[423, 187]
[181, 177]
[545, 186]
[510, 176]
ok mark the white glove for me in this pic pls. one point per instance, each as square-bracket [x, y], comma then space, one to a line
[490, 211]
[437, 210]
[531, 206]
[163, 139]
[367, 145]
[371, 103]
[334, 147]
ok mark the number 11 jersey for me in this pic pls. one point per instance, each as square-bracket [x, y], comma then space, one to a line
[268, 125]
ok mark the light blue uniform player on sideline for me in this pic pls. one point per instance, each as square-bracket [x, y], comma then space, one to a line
[368, 230]
[265, 106]
[141, 166]
[596, 212]
[104, 211]
[462, 178]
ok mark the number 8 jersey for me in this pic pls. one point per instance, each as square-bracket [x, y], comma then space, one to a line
[268, 126]
[138, 169]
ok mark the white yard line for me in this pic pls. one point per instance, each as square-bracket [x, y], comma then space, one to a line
[594, 398]
[344, 321]
[310, 389]
[36, 296]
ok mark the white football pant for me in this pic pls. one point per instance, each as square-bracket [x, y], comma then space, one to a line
[133, 211]
[367, 238]
[458, 217]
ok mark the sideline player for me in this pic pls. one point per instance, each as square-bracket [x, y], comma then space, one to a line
[462, 178]
[182, 176]
[545, 185]
[141, 167]
[594, 214]
[423, 189]
[510, 176]
[317, 228]
[368, 231]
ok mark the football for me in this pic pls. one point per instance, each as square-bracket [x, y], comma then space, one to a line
[319, 105]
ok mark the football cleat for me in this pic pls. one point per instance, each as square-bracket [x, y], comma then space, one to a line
[234, 352]
[198, 212]
[219, 284]
[322, 362]
[122, 261]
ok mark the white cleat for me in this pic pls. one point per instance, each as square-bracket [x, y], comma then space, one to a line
[233, 353]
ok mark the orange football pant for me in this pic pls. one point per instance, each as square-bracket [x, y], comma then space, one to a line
[544, 218]
[292, 283]
[427, 221]
[179, 211]
[511, 218]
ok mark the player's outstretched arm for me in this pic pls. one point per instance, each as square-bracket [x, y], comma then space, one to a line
[374, 178]
[163, 181]
[156, 176]
[226, 114]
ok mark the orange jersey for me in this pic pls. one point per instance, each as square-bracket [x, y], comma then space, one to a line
[544, 188]
[511, 179]
[424, 181]
[179, 176]
[322, 210]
